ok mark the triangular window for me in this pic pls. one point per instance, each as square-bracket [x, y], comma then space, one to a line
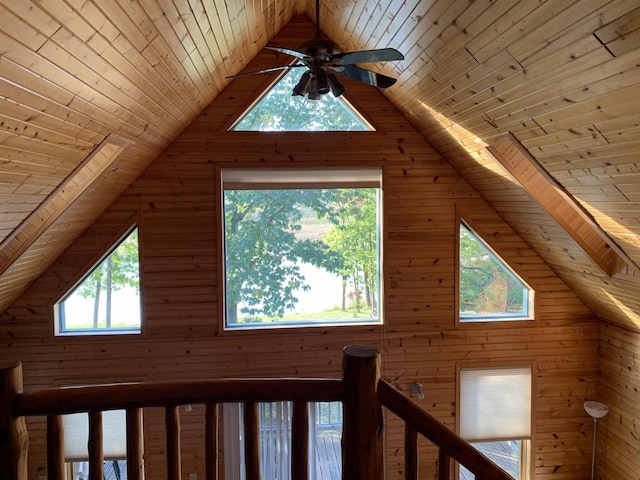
[278, 111]
[107, 299]
[488, 288]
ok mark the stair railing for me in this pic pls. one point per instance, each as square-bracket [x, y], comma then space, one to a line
[361, 390]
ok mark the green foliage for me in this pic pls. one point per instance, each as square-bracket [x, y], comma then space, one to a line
[278, 110]
[354, 238]
[121, 265]
[486, 286]
[118, 270]
[263, 252]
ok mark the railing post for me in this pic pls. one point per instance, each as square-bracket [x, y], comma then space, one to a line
[362, 431]
[14, 440]
[55, 448]
[444, 465]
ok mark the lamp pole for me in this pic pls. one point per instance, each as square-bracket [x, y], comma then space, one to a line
[596, 410]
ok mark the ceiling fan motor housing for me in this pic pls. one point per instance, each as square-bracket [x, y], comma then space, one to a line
[319, 48]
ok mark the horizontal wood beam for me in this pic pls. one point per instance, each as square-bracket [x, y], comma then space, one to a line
[159, 394]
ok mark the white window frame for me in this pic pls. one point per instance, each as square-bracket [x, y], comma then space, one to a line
[301, 178]
[528, 302]
[329, 98]
[60, 328]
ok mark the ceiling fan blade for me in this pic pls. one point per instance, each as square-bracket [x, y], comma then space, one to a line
[367, 76]
[365, 56]
[267, 70]
[289, 51]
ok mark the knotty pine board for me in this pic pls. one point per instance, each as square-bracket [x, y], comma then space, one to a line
[176, 201]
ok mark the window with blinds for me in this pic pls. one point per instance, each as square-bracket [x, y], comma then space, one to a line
[495, 416]
[76, 435]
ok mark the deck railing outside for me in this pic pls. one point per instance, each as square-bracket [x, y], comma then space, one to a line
[361, 391]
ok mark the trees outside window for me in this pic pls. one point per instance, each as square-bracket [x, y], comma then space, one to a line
[488, 287]
[107, 299]
[277, 110]
[296, 255]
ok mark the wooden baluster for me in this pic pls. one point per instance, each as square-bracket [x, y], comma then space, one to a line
[134, 444]
[211, 441]
[55, 448]
[444, 465]
[410, 452]
[362, 434]
[300, 441]
[96, 457]
[14, 440]
[172, 426]
[252, 441]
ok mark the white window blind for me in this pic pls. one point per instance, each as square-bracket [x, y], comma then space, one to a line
[76, 435]
[290, 178]
[495, 404]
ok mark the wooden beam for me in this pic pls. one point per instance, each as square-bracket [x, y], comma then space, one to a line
[525, 170]
[58, 201]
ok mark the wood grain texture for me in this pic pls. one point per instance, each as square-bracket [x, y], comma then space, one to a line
[562, 77]
[548, 73]
[176, 204]
[619, 389]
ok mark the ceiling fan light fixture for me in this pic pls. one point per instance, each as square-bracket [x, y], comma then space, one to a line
[322, 84]
[303, 85]
[334, 84]
[312, 88]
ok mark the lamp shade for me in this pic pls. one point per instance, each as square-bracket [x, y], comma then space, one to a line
[596, 409]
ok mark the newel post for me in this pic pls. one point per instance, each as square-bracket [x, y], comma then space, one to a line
[14, 441]
[362, 431]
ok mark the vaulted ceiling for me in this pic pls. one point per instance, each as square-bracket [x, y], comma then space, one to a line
[536, 104]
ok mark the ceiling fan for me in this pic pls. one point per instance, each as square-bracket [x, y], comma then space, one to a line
[323, 59]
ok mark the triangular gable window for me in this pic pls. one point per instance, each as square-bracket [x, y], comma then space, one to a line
[489, 289]
[278, 111]
[107, 299]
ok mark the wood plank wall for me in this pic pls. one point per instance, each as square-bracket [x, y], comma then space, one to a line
[175, 204]
[618, 434]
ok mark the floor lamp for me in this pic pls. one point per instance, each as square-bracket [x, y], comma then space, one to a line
[596, 410]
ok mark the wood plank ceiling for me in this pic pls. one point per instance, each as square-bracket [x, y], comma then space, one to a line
[93, 90]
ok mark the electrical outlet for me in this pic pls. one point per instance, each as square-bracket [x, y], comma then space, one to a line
[193, 476]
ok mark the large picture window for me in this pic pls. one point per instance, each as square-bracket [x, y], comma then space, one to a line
[301, 247]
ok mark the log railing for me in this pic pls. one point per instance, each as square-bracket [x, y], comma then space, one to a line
[362, 392]
[450, 445]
